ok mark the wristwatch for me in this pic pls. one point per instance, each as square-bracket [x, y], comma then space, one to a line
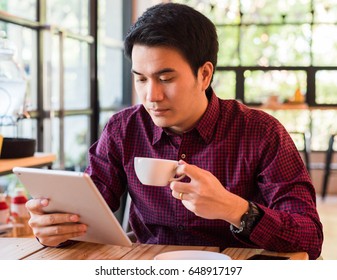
[248, 220]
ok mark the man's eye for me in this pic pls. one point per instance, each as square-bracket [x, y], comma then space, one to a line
[165, 79]
[141, 79]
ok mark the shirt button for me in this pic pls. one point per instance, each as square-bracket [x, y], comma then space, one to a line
[183, 156]
[180, 227]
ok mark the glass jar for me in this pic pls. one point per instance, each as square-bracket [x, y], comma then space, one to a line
[12, 84]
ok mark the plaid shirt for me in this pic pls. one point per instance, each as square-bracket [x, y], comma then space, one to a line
[250, 153]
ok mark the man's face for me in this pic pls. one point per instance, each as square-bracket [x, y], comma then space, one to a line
[167, 88]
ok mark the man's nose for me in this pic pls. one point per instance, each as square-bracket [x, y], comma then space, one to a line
[154, 92]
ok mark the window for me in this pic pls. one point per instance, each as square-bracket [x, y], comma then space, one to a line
[77, 77]
[277, 47]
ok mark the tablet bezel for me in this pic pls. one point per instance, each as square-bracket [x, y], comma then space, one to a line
[75, 192]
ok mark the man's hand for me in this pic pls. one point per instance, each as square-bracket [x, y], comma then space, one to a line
[205, 196]
[52, 229]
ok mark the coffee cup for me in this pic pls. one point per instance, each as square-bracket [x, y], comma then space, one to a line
[155, 171]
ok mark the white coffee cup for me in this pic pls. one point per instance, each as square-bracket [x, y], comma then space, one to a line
[155, 171]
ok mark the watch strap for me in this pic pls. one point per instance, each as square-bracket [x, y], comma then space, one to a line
[248, 220]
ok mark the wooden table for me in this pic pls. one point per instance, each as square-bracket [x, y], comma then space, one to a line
[30, 249]
[38, 160]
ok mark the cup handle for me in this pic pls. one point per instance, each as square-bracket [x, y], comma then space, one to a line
[177, 178]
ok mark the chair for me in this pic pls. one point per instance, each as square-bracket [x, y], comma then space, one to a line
[122, 215]
[328, 165]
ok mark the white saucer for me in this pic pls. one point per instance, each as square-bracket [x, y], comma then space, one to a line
[191, 255]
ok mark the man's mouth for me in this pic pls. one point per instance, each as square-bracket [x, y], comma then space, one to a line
[158, 111]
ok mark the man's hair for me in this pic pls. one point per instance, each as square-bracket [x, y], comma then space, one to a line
[177, 26]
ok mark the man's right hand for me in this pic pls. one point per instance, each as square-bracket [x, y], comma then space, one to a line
[52, 229]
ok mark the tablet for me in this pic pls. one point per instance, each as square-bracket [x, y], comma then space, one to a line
[75, 192]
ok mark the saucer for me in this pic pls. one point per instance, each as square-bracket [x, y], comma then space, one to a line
[191, 255]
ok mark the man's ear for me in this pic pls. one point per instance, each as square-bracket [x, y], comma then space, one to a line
[206, 72]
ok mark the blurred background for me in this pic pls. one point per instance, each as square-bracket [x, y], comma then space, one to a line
[272, 52]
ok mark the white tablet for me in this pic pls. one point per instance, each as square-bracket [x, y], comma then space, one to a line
[75, 192]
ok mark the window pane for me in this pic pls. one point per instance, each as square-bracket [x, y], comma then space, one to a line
[76, 141]
[323, 125]
[259, 85]
[224, 84]
[104, 118]
[72, 15]
[27, 128]
[293, 120]
[21, 8]
[51, 142]
[76, 75]
[324, 45]
[275, 45]
[259, 11]
[24, 42]
[110, 53]
[110, 77]
[110, 20]
[326, 87]
[51, 137]
[52, 58]
[218, 11]
[228, 46]
[266, 11]
[325, 10]
[296, 122]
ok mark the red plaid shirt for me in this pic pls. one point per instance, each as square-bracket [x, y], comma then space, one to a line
[249, 151]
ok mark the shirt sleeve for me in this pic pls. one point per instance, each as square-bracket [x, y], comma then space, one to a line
[290, 220]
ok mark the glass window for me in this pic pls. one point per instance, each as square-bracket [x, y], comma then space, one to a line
[293, 120]
[260, 85]
[323, 125]
[219, 11]
[298, 38]
[110, 19]
[275, 45]
[325, 11]
[111, 77]
[324, 44]
[326, 87]
[51, 137]
[110, 53]
[52, 68]
[76, 142]
[27, 128]
[64, 67]
[20, 8]
[104, 118]
[23, 40]
[228, 37]
[76, 75]
[71, 15]
[224, 84]
[266, 11]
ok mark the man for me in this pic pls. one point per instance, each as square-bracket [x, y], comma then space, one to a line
[245, 184]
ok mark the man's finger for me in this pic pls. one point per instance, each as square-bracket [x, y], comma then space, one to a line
[35, 206]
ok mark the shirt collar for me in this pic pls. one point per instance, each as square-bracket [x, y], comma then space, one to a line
[205, 125]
